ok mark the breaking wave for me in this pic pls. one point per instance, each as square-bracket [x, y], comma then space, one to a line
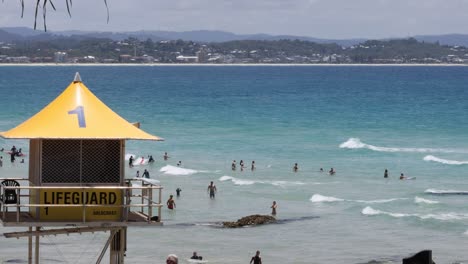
[424, 201]
[238, 181]
[318, 198]
[355, 143]
[445, 192]
[443, 216]
[173, 170]
[444, 161]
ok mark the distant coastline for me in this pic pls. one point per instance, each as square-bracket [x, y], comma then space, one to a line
[234, 64]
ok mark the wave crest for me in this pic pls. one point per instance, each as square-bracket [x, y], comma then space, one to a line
[425, 201]
[442, 216]
[444, 161]
[238, 181]
[318, 198]
[445, 192]
[355, 143]
[173, 170]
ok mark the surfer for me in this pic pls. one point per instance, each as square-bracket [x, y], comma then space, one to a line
[402, 176]
[233, 165]
[178, 190]
[171, 203]
[256, 259]
[172, 259]
[332, 171]
[253, 165]
[212, 190]
[150, 160]
[273, 208]
[295, 168]
[13, 149]
[385, 175]
[165, 156]
[146, 174]
[130, 162]
[179, 163]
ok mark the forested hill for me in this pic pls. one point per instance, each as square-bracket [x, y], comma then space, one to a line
[238, 51]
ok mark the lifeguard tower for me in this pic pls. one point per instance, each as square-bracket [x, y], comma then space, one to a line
[76, 177]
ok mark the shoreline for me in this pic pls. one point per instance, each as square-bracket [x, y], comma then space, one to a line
[225, 64]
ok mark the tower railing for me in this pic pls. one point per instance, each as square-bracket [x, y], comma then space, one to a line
[137, 204]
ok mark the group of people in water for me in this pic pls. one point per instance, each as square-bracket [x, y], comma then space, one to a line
[173, 259]
[402, 176]
[330, 172]
[13, 154]
[242, 166]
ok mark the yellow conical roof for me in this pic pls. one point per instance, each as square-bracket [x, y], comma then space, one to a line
[77, 114]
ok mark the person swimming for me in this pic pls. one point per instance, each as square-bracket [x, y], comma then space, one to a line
[402, 176]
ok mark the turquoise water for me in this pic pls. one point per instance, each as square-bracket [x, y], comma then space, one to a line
[358, 120]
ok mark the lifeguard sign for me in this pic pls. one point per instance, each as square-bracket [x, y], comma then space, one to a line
[77, 141]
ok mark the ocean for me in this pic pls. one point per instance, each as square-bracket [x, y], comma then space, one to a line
[359, 120]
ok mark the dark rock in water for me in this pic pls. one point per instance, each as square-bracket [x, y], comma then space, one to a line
[251, 220]
[423, 257]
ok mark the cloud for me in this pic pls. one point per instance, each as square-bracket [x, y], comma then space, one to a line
[316, 18]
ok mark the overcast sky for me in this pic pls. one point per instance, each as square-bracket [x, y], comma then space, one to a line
[334, 19]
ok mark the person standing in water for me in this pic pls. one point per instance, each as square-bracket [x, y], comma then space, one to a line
[212, 190]
[165, 156]
[273, 208]
[295, 168]
[130, 162]
[385, 175]
[171, 203]
[253, 165]
[256, 259]
[233, 165]
[178, 190]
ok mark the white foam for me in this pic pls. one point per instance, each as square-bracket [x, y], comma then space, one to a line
[425, 201]
[444, 161]
[355, 143]
[173, 170]
[378, 201]
[317, 198]
[286, 183]
[442, 216]
[441, 192]
[238, 181]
